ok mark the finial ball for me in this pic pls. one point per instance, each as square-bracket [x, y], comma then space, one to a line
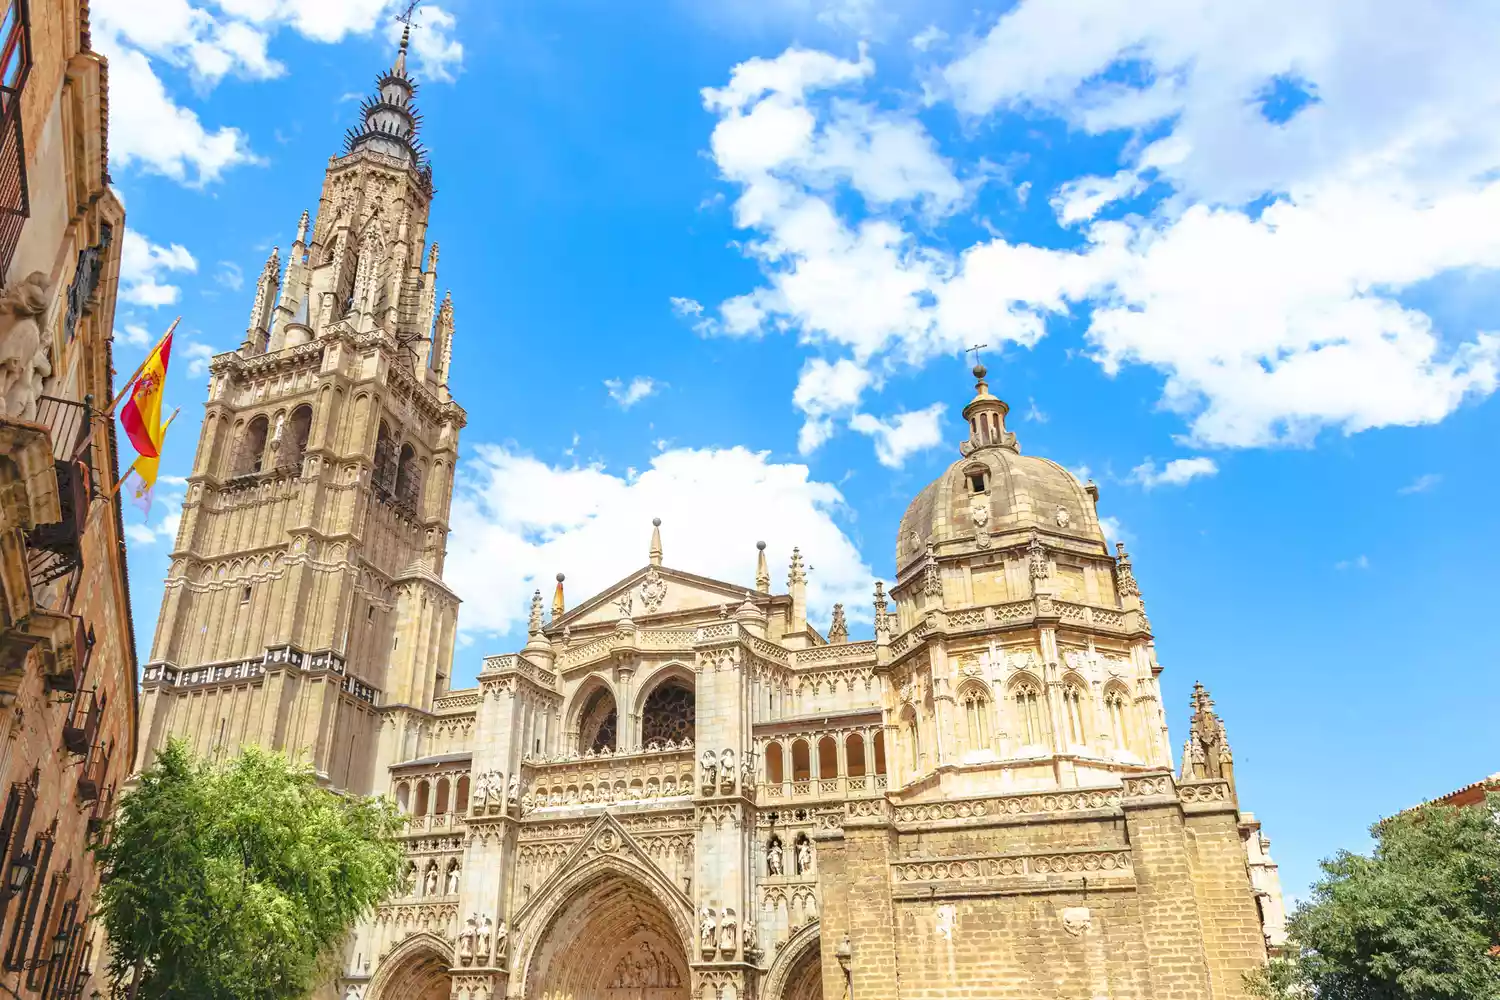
[761, 546]
[980, 371]
[560, 578]
[656, 522]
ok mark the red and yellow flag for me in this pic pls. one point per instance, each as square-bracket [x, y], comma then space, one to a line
[141, 414]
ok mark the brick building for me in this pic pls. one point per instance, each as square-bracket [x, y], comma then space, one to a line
[67, 659]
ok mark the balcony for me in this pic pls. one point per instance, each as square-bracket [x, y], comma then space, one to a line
[91, 779]
[68, 660]
[82, 723]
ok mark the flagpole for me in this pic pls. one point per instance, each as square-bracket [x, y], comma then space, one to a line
[128, 471]
[149, 355]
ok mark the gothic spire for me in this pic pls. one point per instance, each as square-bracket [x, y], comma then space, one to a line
[389, 120]
[1207, 753]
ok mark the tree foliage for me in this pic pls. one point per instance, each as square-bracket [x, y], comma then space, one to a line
[237, 881]
[1417, 920]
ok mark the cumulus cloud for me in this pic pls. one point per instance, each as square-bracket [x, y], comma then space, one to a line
[535, 519]
[823, 391]
[144, 266]
[166, 502]
[230, 275]
[198, 356]
[230, 38]
[1290, 169]
[903, 434]
[1177, 472]
[627, 394]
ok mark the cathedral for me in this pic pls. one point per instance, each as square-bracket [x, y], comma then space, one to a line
[679, 789]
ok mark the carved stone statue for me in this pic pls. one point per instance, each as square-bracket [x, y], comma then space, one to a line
[496, 788]
[410, 881]
[727, 927]
[710, 772]
[481, 794]
[514, 792]
[804, 857]
[707, 925]
[454, 871]
[751, 940]
[482, 949]
[774, 858]
[430, 884]
[726, 769]
[468, 936]
[23, 349]
[502, 940]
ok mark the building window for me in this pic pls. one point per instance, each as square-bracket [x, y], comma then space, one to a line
[245, 594]
[977, 717]
[1116, 708]
[1073, 707]
[670, 714]
[1028, 713]
[976, 482]
[15, 66]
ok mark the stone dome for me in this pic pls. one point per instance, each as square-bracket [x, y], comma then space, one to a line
[994, 496]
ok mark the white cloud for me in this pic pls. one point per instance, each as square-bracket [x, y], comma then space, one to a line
[230, 275]
[166, 501]
[928, 37]
[148, 128]
[1177, 472]
[536, 520]
[1034, 413]
[823, 391]
[1422, 484]
[1294, 167]
[628, 394]
[1113, 530]
[903, 434]
[144, 264]
[1358, 562]
[198, 356]
[136, 335]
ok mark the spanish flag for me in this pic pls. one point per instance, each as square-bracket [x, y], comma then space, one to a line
[145, 469]
[141, 415]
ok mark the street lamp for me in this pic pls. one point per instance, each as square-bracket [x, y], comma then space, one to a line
[19, 874]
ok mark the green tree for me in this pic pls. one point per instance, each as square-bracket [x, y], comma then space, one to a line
[237, 881]
[1417, 920]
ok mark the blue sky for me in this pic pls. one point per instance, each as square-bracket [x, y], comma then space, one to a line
[716, 263]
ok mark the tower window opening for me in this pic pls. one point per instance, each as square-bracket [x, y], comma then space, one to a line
[245, 594]
[977, 482]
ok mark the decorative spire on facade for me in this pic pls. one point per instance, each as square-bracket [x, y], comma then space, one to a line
[1128, 586]
[557, 599]
[932, 576]
[838, 629]
[882, 619]
[1207, 753]
[302, 224]
[762, 571]
[655, 552]
[257, 333]
[1041, 568]
[535, 624]
[389, 120]
[796, 574]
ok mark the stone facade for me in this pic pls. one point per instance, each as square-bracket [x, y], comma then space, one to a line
[67, 658]
[678, 787]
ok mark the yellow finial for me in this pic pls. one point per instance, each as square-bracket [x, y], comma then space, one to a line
[557, 599]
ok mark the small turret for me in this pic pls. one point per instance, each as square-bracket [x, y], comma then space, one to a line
[986, 416]
[258, 332]
[838, 629]
[1206, 753]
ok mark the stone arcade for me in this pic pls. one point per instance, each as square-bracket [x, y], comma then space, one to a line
[679, 788]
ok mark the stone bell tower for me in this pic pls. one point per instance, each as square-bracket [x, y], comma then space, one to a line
[305, 608]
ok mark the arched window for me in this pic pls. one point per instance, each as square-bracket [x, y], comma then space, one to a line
[406, 475]
[421, 809]
[1117, 709]
[828, 757]
[911, 734]
[403, 796]
[854, 754]
[252, 451]
[670, 714]
[294, 438]
[440, 805]
[801, 761]
[976, 706]
[1028, 713]
[462, 806]
[1073, 700]
[598, 722]
[880, 752]
[775, 766]
[384, 473]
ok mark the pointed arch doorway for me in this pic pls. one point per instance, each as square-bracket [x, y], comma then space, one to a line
[416, 970]
[611, 940]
